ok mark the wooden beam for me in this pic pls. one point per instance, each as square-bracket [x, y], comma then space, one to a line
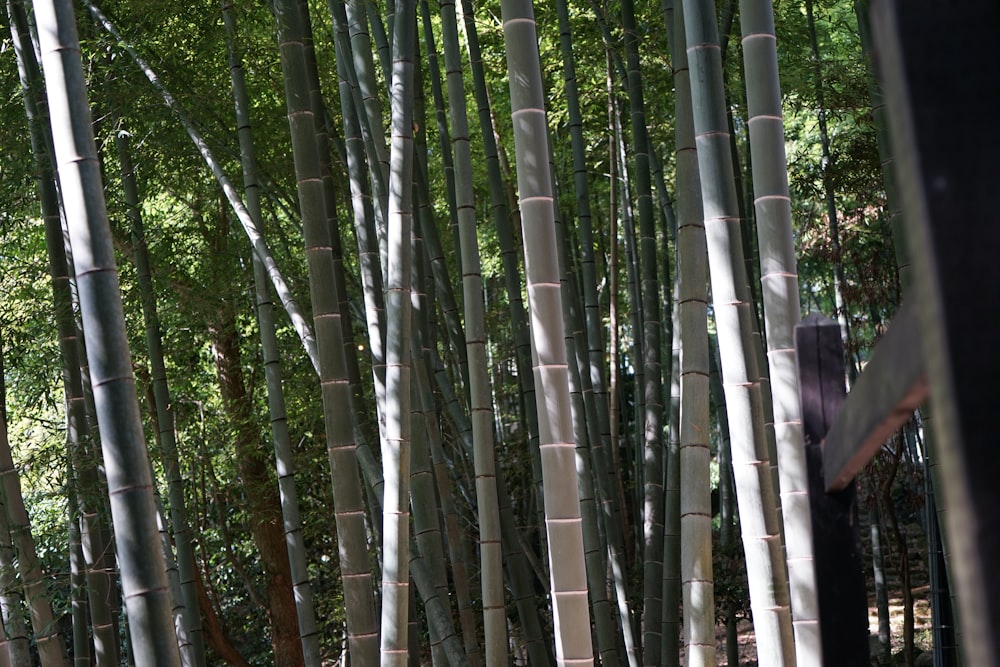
[942, 85]
[892, 386]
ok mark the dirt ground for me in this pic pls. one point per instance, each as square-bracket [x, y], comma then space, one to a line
[921, 632]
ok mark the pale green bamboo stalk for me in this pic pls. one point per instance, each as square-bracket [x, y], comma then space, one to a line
[396, 439]
[692, 297]
[284, 461]
[302, 327]
[730, 293]
[126, 460]
[568, 581]
[780, 294]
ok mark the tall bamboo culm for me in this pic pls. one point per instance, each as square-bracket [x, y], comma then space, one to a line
[491, 554]
[349, 512]
[780, 295]
[398, 307]
[692, 297]
[272, 366]
[567, 572]
[126, 460]
[755, 490]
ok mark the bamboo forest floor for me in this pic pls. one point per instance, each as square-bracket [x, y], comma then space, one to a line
[921, 630]
[921, 603]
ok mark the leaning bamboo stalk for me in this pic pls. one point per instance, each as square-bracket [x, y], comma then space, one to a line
[288, 301]
[190, 636]
[84, 473]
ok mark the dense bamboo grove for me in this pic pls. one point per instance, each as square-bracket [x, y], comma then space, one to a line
[487, 362]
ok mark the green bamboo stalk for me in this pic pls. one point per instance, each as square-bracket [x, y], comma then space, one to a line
[144, 584]
[755, 490]
[338, 416]
[670, 651]
[494, 614]
[727, 491]
[370, 112]
[515, 551]
[173, 578]
[593, 372]
[506, 220]
[586, 434]
[361, 205]
[284, 462]
[14, 647]
[635, 445]
[886, 157]
[191, 640]
[780, 295]
[651, 359]
[456, 545]
[423, 501]
[439, 266]
[78, 587]
[568, 582]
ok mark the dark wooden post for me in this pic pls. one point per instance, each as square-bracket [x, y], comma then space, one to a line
[840, 580]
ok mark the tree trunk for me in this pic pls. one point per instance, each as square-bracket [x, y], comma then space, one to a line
[263, 506]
